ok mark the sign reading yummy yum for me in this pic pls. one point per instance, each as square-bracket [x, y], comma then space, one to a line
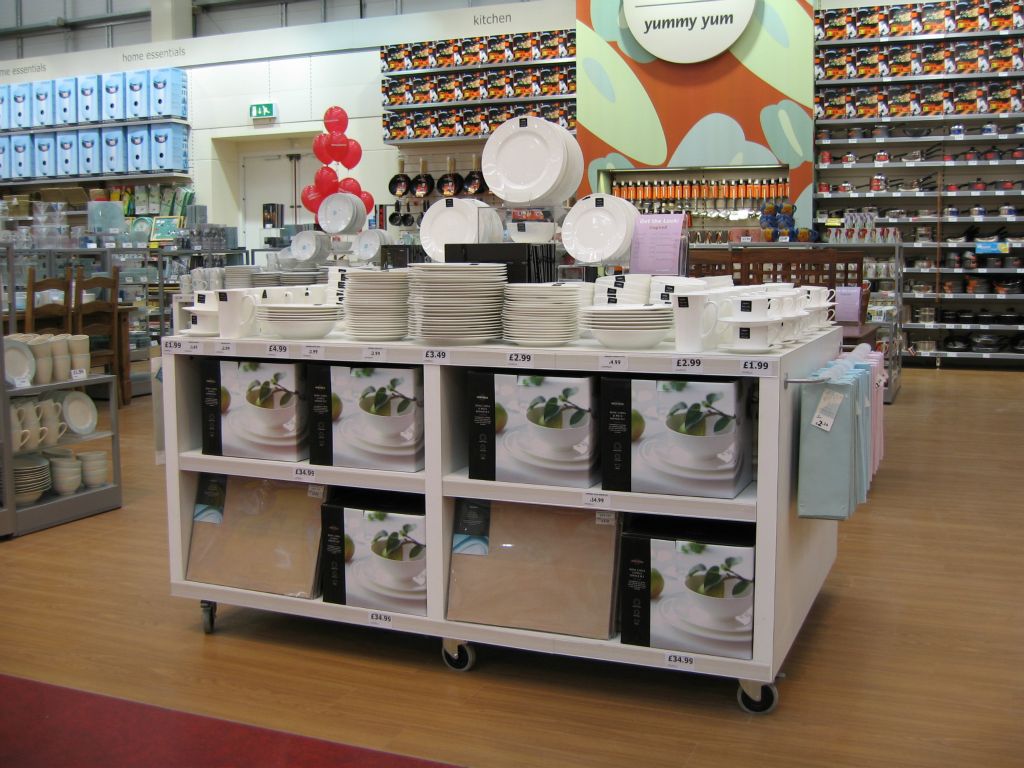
[685, 31]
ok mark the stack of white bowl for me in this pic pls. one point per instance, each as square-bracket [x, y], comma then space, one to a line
[66, 471]
[628, 326]
[298, 321]
[95, 467]
[663, 287]
[262, 279]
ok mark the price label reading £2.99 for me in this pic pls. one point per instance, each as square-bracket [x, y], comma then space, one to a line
[519, 360]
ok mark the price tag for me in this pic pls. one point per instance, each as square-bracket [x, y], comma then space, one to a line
[605, 518]
[129, 279]
[880, 163]
[79, 374]
[519, 360]
[91, 246]
[676, 660]
[613, 363]
[194, 347]
[374, 354]
[435, 355]
[171, 346]
[746, 239]
[784, 239]
[994, 162]
[977, 218]
[304, 473]
[22, 381]
[975, 193]
[828, 408]
[277, 350]
[972, 162]
[224, 348]
[848, 165]
[597, 499]
[757, 366]
[313, 351]
[380, 619]
[687, 363]
[315, 491]
[986, 355]
[910, 163]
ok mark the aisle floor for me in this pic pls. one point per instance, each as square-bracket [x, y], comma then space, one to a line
[912, 655]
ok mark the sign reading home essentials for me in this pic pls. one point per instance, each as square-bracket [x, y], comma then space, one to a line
[687, 31]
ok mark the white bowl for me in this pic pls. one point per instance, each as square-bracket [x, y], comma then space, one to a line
[399, 572]
[722, 608]
[702, 446]
[301, 329]
[560, 438]
[277, 416]
[630, 339]
[387, 426]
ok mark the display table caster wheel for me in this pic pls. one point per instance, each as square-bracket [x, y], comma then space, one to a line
[768, 697]
[209, 609]
[458, 655]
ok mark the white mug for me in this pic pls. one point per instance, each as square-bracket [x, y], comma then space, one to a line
[819, 295]
[778, 287]
[755, 337]
[205, 299]
[36, 435]
[50, 410]
[19, 437]
[54, 431]
[695, 319]
[236, 310]
[28, 414]
[78, 344]
[753, 307]
[44, 370]
[275, 294]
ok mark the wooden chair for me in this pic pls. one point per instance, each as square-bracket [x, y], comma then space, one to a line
[51, 317]
[98, 319]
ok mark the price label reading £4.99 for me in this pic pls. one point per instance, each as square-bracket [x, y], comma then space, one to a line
[277, 350]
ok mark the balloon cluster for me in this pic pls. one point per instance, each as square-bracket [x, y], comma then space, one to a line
[329, 148]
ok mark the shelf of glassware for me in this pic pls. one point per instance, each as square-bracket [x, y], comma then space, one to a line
[793, 558]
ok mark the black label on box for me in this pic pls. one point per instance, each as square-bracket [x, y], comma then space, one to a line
[620, 281]
[744, 333]
[321, 423]
[683, 302]
[332, 553]
[210, 406]
[666, 297]
[616, 434]
[482, 425]
[471, 533]
[635, 591]
[746, 306]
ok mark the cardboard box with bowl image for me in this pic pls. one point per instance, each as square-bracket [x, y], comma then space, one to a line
[683, 437]
[687, 585]
[253, 409]
[373, 550]
[369, 418]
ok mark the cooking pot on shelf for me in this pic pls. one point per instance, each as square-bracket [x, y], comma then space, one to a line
[952, 186]
[952, 261]
[978, 185]
[969, 260]
[1007, 210]
[1018, 344]
[1017, 153]
[965, 317]
[925, 345]
[977, 285]
[850, 157]
[989, 129]
[950, 210]
[1009, 317]
[822, 134]
[958, 129]
[882, 156]
[979, 210]
[972, 154]
[991, 262]
[948, 316]
[880, 132]
[983, 341]
[846, 186]
[953, 285]
[858, 133]
[991, 154]
[1008, 286]
[824, 157]
[879, 183]
[824, 187]
[1013, 260]
[954, 344]
[986, 317]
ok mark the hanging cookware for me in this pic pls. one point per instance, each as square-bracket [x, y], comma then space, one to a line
[408, 219]
[451, 183]
[475, 183]
[423, 183]
[423, 210]
[395, 219]
[400, 183]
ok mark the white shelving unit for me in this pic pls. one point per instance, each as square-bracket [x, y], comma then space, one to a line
[793, 555]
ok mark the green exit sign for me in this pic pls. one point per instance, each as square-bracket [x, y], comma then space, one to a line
[263, 111]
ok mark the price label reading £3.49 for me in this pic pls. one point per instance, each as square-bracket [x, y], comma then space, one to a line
[435, 355]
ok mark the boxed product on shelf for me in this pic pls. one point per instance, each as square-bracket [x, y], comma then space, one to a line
[257, 534]
[21, 105]
[1003, 53]
[531, 566]
[44, 154]
[168, 147]
[5, 157]
[42, 104]
[112, 105]
[687, 585]
[532, 428]
[137, 141]
[65, 101]
[685, 437]
[168, 93]
[114, 158]
[253, 409]
[370, 418]
[5, 107]
[373, 551]
[89, 152]
[21, 157]
[89, 105]
[136, 92]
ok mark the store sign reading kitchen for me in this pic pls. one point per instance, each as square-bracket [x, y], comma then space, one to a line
[687, 31]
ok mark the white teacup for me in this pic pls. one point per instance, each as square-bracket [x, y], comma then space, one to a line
[19, 437]
[36, 436]
[50, 410]
[753, 307]
[40, 347]
[755, 337]
[54, 432]
[778, 287]
[696, 317]
[237, 310]
[819, 295]
[78, 344]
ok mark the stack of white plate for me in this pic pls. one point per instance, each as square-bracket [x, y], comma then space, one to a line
[368, 244]
[530, 160]
[622, 289]
[297, 321]
[458, 220]
[309, 249]
[628, 326]
[541, 314]
[376, 304]
[456, 303]
[31, 478]
[599, 229]
[341, 213]
[239, 276]
[300, 277]
[262, 279]
[664, 286]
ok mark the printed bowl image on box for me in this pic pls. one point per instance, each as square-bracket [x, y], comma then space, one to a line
[371, 418]
[136, 91]
[168, 93]
[533, 429]
[677, 436]
[687, 595]
[5, 157]
[65, 101]
[254, 409]
[42, 104]
[5, 107]
[138, 148]
[168, 147]
[89, 110]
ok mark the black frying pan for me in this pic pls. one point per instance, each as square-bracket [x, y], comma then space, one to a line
[400, 183]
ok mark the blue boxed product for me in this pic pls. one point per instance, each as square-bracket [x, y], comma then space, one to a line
[44, 146]
[89, 152]
[168, 93]
[42, 104]
[115, 156]
[136, 94]
[65, 101]
[67, 153]
[112, 107]
[21, 156]
[168, 147]
[138, 149]
[5, 107]
[21, 105]
[89, 110]
[5, 157]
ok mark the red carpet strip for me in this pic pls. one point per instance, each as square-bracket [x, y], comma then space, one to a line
[49, 726]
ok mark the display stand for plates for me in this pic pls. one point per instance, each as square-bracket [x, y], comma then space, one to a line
[793, 556]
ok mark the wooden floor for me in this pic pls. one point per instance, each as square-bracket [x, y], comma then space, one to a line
[912, 656]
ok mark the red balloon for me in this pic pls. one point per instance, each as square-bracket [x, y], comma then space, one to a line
[337, 145]
[367, 199]
[326, 180]
[353, 154]
[336, 119]
[311, 198]
[350, 185]
[320, 149]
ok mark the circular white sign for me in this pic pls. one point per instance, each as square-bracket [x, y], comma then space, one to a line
[685, 31]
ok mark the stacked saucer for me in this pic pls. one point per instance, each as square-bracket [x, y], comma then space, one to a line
[376, 304]
[541, 314]
[239, 276]
[622, 289]
[262, 279]
[456, 303]
[297, 321]
[31, 478]
[628, 326]
[300, 277]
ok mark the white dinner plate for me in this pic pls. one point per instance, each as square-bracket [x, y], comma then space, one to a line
[80, 413]
[598, 228]
[524, 160]
[19, 362]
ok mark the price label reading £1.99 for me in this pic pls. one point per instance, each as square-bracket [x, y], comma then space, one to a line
[172, 345]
